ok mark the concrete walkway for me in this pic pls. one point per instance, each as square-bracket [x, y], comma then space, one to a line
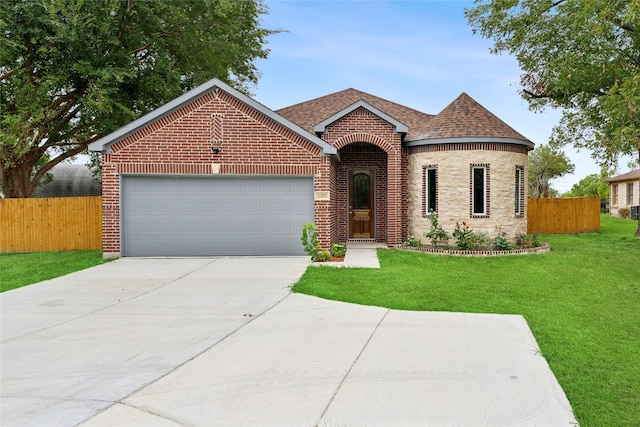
[359, 255]
[200, 342]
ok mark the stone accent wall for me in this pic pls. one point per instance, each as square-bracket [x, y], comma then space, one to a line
[454, 190]
[622, 196]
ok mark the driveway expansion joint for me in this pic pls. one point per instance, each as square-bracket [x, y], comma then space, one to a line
[250, 319]
[353, 364]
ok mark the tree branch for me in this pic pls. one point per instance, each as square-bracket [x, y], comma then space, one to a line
[533, 95]
[49, 165]
[7, 75]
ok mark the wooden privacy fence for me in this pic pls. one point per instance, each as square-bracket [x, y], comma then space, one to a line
[563, 216]
[55, 224]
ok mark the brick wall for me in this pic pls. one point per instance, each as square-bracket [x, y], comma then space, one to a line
[181, 143]
[362, 156]
[362, 126]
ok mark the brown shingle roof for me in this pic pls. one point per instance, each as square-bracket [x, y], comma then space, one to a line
[310, 113]
[465, 118]
[629, 176]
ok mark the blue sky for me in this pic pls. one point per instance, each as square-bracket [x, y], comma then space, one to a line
[418, 53]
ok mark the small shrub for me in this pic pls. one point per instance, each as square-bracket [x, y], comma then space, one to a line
[310, 240]
[338, 250]
[323, 255]
[624, 212]
[533, 241]
[436, 234]
[413, 242]
[500, 243]
[524, 241]
[480, 241]
[464, 236]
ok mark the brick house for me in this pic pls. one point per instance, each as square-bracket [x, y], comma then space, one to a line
[624, 192]
[216, 173]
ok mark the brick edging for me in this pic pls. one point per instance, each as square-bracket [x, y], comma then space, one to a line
[543, 248]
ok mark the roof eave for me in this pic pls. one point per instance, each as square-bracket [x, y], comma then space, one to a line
[104, 144]
[399, 127]
[470, 140]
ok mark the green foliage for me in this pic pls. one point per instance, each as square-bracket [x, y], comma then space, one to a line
[524, 241]
[323, 255]
[72, 71]
[546, 163]
[310, 242]
[413, 242]
[338, 250]
[580, 56]
[580, 301]
[500, 243]
[21, 269]
[436, 233]
[481, 241]
[591, 185]
[464, 236]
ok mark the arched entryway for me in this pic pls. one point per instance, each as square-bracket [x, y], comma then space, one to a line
[362, 193]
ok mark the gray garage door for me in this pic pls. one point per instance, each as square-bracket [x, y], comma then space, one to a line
[203, 216]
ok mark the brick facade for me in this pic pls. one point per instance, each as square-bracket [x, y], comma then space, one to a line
[181, 143]
[220, 131]
[365, 141]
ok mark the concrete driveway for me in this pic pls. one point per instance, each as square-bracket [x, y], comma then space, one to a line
[221, 341]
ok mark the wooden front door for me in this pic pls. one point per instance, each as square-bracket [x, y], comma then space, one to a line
[361, 202]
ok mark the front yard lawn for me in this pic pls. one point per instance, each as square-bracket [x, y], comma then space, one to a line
[21, 269]
[581, 300]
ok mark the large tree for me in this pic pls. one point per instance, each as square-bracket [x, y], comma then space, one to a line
[591, 185]
[545, 164]
[72, 71]
[582, 56]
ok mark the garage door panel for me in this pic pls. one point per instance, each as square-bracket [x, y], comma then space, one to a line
[169, 216]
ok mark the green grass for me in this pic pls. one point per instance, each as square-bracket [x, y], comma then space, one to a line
[21, 269]
[581, 300]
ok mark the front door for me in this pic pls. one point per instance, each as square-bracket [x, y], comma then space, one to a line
[361, 202]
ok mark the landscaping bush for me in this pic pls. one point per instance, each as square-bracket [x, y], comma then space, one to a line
[436, 234]
[413, 242]
[338, 250]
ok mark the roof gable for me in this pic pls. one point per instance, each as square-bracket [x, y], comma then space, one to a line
[310, 113]
[399, 127]
[104, 144]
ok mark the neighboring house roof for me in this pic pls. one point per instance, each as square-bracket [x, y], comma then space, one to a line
[464, 120]
[308, 114]
[104, 144]
[629, 176]
[70, 180]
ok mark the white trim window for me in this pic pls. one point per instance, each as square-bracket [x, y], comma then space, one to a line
[519, 193]
[429, 189]
[480, 186]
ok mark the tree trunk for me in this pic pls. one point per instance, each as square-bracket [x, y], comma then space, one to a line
[638, 230]
[15, 182]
